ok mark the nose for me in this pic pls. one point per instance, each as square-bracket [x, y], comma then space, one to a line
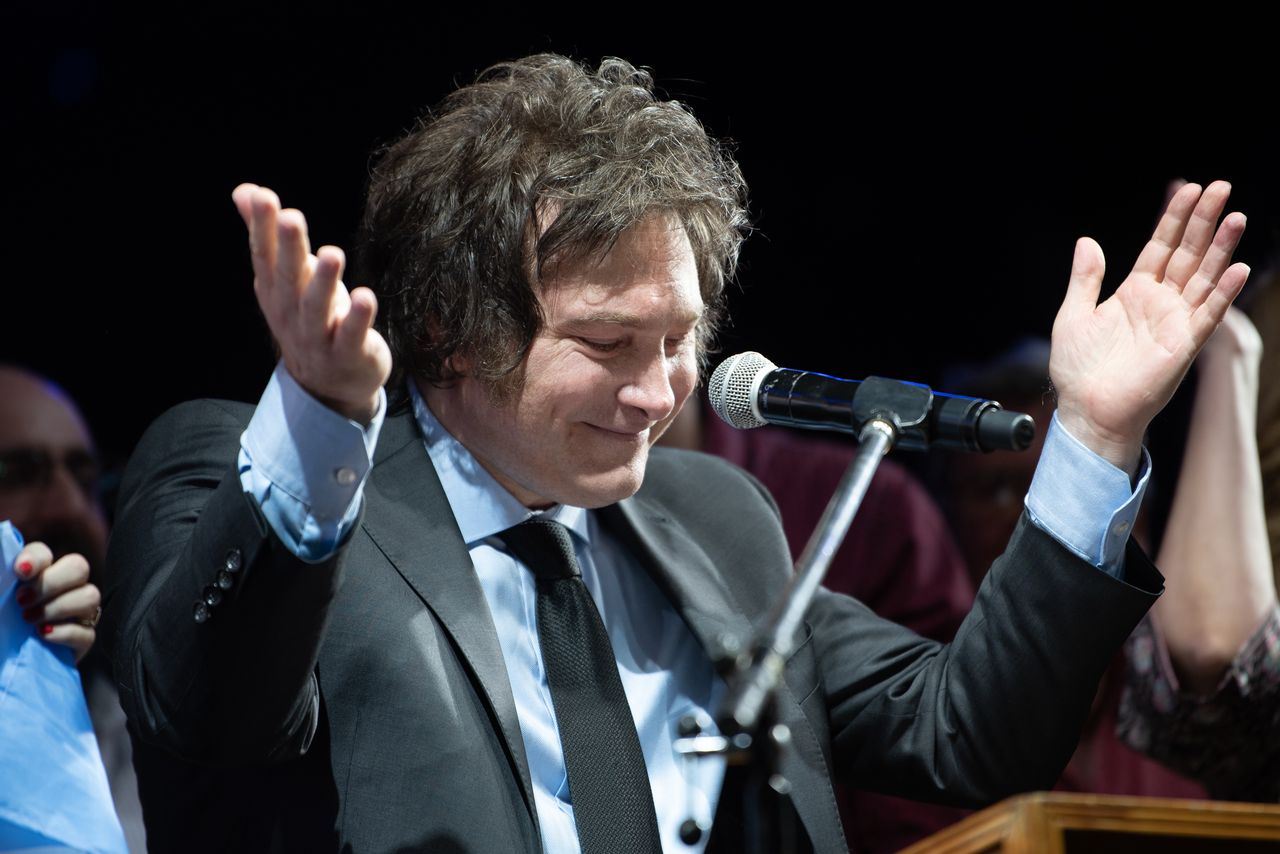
[651, 388]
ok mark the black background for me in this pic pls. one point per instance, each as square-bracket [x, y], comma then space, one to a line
[918, 178]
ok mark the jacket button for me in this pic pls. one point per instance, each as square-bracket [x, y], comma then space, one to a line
[225, 580]
[232, 563]
[212, 596]
[202, 612]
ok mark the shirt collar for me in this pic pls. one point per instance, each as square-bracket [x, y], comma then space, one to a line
[481, 505]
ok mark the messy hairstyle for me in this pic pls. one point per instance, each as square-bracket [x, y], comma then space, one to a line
[455, 233]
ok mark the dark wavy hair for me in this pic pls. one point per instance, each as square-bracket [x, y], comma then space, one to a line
[451, 239]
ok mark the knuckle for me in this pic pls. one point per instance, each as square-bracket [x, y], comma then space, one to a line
[78, 567]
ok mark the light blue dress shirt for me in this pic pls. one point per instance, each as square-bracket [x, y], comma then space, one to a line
[306, 466]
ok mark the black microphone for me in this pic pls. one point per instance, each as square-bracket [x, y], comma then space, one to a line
[747, 390]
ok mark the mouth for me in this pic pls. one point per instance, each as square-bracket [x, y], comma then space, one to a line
[631, 437]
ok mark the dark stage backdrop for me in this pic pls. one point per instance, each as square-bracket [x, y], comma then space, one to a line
[917, 182]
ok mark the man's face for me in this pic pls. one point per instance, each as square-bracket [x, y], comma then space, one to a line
[614, 362]
[48, 469]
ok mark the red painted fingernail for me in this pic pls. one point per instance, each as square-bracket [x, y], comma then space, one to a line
[47, 628]
[24, 568]
[25, 595]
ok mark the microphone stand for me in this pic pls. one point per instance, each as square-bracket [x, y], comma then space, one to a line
[751, 737]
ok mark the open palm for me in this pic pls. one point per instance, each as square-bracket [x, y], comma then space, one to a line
[1116, 364]
[325, 332]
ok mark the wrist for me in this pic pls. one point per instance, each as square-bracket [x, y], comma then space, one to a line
[361, 413]
[1122, 450]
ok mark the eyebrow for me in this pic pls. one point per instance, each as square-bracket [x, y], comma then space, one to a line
[627, 320]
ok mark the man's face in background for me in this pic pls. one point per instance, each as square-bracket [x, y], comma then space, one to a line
[49, 469]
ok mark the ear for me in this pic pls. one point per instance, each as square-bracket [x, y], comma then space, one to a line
[457, 365]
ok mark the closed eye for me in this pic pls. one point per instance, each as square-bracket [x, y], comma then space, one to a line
[675, 344]
[601, 345]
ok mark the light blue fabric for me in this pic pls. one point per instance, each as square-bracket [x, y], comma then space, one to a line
[1085, 502]
[306, 465]
[53, 788]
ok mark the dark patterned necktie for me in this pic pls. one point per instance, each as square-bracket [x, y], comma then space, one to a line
[608, 782]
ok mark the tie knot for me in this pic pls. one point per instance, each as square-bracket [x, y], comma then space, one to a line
[545, 547]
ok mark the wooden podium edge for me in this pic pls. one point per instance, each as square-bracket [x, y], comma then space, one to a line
[1037, 822]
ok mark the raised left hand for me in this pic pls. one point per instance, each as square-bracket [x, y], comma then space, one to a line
[1116, 364]
[56, 596]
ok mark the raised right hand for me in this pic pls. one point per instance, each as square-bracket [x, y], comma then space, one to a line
[1115, 364]
[325, 334]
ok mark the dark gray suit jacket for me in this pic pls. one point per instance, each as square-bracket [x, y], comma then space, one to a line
[362, 703]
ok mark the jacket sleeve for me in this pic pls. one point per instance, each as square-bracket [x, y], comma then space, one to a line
[212, 625]
[999, 710]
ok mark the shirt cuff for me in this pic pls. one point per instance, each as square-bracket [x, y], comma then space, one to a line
[1083, 501]
[306, 465]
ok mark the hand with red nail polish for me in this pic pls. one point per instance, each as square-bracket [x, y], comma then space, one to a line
[57, 595]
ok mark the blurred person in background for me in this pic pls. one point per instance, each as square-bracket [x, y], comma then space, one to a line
[49, 478]
[1203, 682]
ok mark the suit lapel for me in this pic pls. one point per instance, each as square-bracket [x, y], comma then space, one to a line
[691, 582]
[409, 519]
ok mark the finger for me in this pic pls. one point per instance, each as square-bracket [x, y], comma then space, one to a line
[1215, 261]
[355, 326]
[67, 572]
[1087, 267]
[78, 603]
[242, 198]
[1170, 190]
[32, 560]
[1198, 236]
[292, 254]
[1205, 319]
[316, 309]
[79, 638]
[264, 205]
[1168, 234]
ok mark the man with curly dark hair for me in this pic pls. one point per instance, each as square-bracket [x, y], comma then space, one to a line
[469, 620]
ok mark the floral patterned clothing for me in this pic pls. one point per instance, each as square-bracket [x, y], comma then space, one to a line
[1229, 739]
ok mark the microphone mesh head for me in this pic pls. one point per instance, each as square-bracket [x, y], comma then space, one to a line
[733, 386]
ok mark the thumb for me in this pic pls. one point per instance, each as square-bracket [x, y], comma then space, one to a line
[1087, 267]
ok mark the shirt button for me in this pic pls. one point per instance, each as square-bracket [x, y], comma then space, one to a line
[345, 476]
[1120, 528]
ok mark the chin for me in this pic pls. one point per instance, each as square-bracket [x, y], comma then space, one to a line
[602, 490]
